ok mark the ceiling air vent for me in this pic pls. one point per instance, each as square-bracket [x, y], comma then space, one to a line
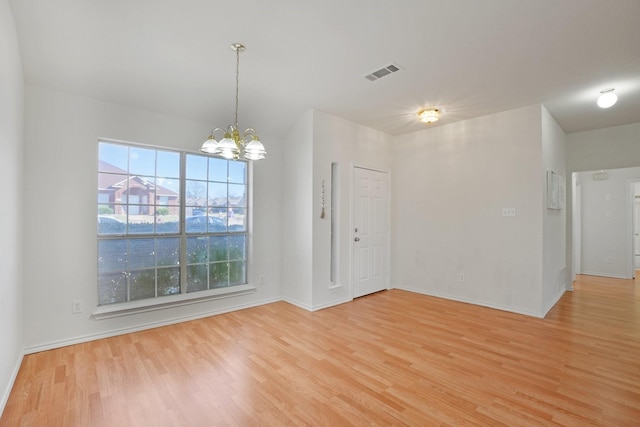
[600, 176]
[385, 71]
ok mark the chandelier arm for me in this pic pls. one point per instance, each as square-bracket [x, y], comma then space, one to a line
[213, 132]
[248, 134]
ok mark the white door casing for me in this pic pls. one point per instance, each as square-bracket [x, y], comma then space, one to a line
[636, 232]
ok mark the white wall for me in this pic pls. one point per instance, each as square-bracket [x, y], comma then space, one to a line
[60, 230]
[606, 221]
[450, 185]
[608, 148]
[555, 273]
[11, 170]
[336, 140]
[297, 239]
[315, 142]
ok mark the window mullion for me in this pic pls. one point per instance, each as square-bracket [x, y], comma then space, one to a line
[231, 237]
[183, 233]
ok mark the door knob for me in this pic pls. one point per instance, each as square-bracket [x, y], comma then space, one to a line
[357, 239]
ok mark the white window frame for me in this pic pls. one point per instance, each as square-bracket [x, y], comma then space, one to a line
[183, 297]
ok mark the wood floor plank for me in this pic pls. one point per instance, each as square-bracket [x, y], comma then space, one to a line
[389, 359]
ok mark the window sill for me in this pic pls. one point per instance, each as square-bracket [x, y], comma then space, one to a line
[143, 306]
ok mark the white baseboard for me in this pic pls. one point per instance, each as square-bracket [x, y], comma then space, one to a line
[613, 276]
[172, 321]
[92, 337]
[315, 307]
[297, 304]
[9, 387]
[474, 302]
[554, 302]
[331, 304]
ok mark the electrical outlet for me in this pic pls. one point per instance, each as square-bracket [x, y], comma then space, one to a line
[76, 306]
[461, 277]
[261, 280]
[608, 260]
[508, 211]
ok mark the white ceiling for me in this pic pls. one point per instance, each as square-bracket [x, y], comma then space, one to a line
[467, 57]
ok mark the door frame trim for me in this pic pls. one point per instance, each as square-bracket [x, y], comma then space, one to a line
[630, 243]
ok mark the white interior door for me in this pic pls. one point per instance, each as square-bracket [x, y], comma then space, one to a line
[370, 231]
[577, 226]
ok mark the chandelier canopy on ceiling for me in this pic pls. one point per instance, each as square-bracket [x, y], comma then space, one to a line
[234, 145]
[429, 115]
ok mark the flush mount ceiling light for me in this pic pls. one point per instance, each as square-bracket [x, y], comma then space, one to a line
[429, 115]
[607, 98]
[233, 146]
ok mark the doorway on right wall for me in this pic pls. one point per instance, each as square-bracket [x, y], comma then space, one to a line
[608, 235]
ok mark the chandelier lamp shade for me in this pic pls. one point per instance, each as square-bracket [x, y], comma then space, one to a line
[232, 144]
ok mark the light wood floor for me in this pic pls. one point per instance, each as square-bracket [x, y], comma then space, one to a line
[392, 358]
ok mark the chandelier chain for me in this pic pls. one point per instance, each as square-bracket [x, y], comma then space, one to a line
[237, 82]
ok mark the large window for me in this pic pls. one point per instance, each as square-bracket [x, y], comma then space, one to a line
[169, 222]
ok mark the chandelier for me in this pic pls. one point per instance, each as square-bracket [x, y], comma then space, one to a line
[234, 145]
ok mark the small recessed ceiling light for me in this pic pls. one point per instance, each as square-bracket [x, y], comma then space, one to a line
[607, 98]
[429, 115]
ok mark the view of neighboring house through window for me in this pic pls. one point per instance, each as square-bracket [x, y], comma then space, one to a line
[169, 222]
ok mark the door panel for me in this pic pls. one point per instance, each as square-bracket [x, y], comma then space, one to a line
[371, 231]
